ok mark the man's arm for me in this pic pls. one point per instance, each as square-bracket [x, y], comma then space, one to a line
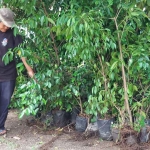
[29, 69]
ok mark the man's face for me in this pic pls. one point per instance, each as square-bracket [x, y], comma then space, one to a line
[3, 28]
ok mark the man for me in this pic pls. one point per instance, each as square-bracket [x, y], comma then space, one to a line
[8, 72]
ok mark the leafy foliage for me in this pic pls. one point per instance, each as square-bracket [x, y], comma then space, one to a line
[78, 49]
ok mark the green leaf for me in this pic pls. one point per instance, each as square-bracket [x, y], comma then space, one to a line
[5, 59]
[114, 65]
[134, 14]
[42, 20]
[148, 2]
[51, 21]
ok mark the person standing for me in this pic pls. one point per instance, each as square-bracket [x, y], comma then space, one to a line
[8, 73]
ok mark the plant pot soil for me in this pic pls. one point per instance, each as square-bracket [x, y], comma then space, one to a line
[144, 135]
[104, 128]
[81, 123]
[115, 134]
[128, 136]
[74, 114]
[131, 140]
[147, 122]
[61, 118]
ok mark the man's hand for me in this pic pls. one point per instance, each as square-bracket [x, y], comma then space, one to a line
[29, 69]
[31, 73]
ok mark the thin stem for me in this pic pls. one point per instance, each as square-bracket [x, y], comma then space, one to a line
[123, 75]
[103, 72]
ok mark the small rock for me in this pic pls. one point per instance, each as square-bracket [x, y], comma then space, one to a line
[17, 138]
[92, 127]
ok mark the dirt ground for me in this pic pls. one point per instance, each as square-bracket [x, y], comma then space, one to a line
[23, 136]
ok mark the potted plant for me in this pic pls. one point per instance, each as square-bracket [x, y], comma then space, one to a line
[79, 89]
[102, 109]
[116, 131]
[102, 98]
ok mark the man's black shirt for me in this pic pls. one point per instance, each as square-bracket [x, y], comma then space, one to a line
[8, 41]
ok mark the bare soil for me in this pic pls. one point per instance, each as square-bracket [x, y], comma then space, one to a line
[25, 135]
